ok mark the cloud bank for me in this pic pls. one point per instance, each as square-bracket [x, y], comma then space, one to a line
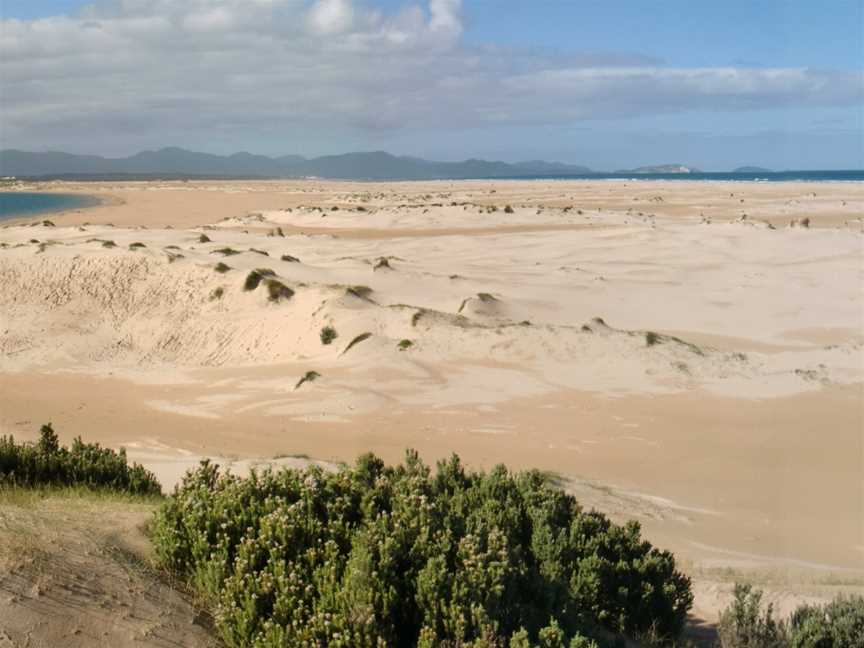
[136, 68]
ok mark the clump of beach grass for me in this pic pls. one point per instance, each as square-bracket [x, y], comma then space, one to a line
[221, 268]
[277, 291]
[225, 251]
[309, 376]
[361, 292]
[357, 340]
[204, 239]
[217, 293]
[137, 245]
[290, 259]
[327, 335]
[404, 345]
[261, 252]
[254, 278]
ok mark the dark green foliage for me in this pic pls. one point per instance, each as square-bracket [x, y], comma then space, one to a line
[357, 340]
[328, 334]
[290, 259]
[254, 278]
[47, 463]
[651, 338]
[136, 246]
[277, 291]
[839, 624]
[404, 345]
[222, 268]
[746, 624]
[398, 556]
[508, 209]
[204, 239]
[108, 244]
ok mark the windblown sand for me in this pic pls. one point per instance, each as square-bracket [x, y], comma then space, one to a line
[675, 351]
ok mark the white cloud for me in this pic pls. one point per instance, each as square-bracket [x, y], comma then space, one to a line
[139, 69]
[331, 16]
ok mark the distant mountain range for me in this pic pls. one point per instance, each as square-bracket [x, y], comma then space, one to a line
[173, 162]
[179, 163]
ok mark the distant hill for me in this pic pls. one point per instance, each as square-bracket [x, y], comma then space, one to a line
[751, 169]
[177, 162]
[661, 168]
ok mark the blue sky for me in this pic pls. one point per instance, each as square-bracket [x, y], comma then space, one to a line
[710, 84]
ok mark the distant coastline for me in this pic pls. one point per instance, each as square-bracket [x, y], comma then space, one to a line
[180, 164]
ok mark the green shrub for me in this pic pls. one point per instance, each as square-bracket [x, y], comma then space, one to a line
[136, 246]
[404, 345]
[204, 239]
[290, 259]
[47, 463]
[508, 209]
[222, 268]
[652, 338]
[839, 624]
[328, 334]
[401, 556]
[746, 624]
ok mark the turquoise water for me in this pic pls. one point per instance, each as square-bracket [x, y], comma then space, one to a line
[20, 204]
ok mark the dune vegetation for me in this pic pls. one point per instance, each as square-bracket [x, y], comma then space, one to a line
[405, 555]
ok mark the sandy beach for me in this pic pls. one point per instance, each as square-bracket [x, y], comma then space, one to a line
[687, 354]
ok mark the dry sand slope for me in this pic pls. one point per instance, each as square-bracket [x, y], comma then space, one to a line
[671, 360]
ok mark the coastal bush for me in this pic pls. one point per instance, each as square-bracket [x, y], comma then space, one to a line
[290, 259]
[204, 239]
[222, 268]
[47, 463]
[328, 334]
[136, 246]
[405, 344]
[397, 556]
[839, 624]
[746, 623]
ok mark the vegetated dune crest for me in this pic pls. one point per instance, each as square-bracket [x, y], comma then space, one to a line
[141, 299]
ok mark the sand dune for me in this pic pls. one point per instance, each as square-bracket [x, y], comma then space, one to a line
[670, 359]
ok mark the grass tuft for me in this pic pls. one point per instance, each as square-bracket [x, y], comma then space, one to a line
[404, 345]
[277, 291]
[254, 278]
[225, 251]
[357, 340]
[204, 239]
[309, 376]
[290, 259]
[221, 268]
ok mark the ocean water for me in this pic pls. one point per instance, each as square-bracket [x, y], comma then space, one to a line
[20, 204]
[852, 175]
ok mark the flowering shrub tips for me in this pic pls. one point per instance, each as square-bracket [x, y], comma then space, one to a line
[47, 463]
[403, 556]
